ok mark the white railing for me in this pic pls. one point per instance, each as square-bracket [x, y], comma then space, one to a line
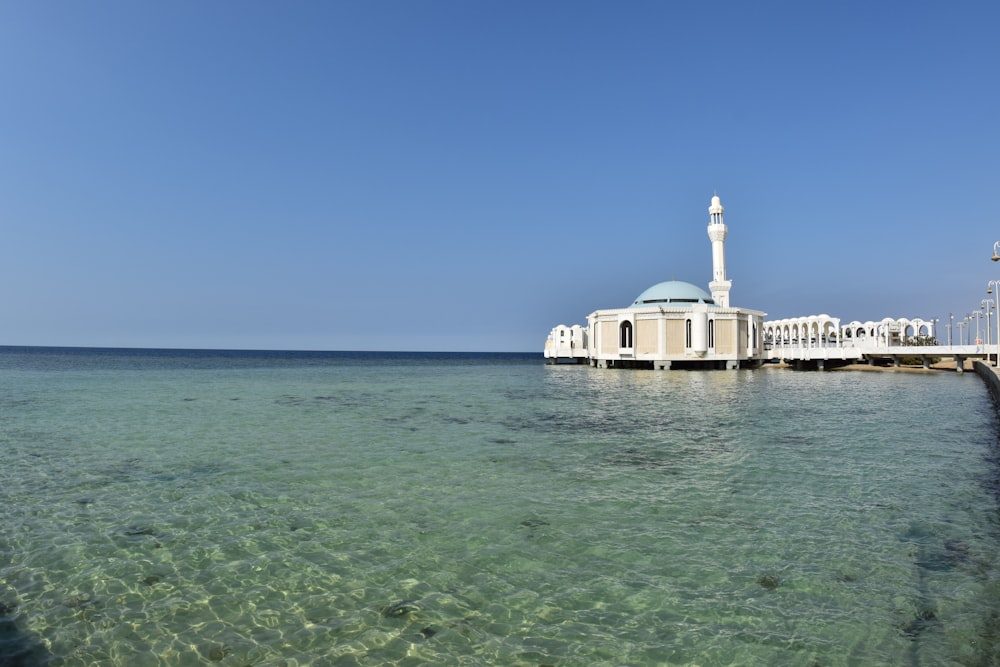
[855, 349]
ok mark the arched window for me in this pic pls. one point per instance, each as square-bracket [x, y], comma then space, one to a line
[687, 333]
[711, 333]
[625, 334]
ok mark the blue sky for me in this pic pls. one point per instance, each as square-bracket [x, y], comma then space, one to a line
[455, 175]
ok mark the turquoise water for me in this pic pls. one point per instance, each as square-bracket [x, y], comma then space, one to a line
[277, 509]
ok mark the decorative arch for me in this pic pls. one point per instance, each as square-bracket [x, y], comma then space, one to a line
[625, 339]
[811, 331]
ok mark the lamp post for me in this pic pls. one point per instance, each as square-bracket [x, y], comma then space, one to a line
[961, 327]
[976, 315]
[951, 323]
[987, 305]
[990, 286]
[995, 257]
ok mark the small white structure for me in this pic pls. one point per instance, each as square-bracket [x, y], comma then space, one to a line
[672, 324]
[567, 343]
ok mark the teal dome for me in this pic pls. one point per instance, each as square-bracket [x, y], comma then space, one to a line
[672, 293]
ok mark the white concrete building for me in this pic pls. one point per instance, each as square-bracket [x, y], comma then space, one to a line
[567, 343]
[672, 324]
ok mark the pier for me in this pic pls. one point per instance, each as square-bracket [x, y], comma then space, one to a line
[821, 356]
[826, 356]
[819, 340]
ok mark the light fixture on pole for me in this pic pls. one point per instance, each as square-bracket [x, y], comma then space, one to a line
[976, 315]
[990, 286]
[951, 323]
[995, 257]
[987, 305]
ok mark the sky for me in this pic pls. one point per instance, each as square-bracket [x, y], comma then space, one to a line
[465, 175]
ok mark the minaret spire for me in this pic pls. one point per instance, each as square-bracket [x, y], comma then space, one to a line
[717, 231]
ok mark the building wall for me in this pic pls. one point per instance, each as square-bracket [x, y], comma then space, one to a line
[675, 337]
[725, 337]
[609, 338]
[645, 337]
[660, 335]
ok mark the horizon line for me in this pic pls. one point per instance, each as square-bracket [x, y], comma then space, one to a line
[256, 349]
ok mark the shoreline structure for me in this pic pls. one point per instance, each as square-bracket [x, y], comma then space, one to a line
[678, 325]
[992, 377]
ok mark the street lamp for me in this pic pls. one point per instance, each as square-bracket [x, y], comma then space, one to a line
[990, 286]
[961, 326]
[987, 305]
[995, 257]
[976, 315]
[951, 323]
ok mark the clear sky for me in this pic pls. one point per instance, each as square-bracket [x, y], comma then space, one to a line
[465, 175]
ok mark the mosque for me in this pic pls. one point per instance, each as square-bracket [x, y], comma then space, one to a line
[671, 325]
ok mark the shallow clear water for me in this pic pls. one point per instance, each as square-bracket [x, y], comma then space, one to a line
[169, 508]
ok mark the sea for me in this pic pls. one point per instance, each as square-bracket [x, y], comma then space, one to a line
[238, 508]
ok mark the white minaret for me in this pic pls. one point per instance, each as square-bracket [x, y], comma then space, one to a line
[717, 231]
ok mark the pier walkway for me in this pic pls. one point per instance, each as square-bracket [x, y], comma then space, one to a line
[872, 353]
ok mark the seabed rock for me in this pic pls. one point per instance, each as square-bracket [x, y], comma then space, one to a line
[216, 652]
[400, 608]
[769, 581]
[925, 619]
[77, 600]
